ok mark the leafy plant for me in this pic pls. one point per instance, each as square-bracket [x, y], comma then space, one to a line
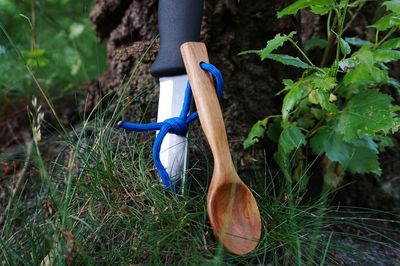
[339, 111]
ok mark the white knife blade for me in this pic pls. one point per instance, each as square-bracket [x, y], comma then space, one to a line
[174, 149]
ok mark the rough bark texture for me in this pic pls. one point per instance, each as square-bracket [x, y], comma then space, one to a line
[229, 26]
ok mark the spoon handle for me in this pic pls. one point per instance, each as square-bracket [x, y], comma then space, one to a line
[210, 115]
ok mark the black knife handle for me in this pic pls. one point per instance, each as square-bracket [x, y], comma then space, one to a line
[179, 21]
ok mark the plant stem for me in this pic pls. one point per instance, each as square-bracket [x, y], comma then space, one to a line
[362, 3]
[342, 18]
[33, 26]
[302, 52]
[327, 51]
[377, 44]
[331, 40]
[315, 129]
[328, 25]
[341, 21]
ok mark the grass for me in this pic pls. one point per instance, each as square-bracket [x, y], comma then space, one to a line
[99, 201]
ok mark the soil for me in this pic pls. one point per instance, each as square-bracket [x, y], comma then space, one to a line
[359, 250]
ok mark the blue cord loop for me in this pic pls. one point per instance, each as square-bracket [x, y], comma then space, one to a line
[175, 125]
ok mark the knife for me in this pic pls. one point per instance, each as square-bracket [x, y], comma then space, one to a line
[179, 21]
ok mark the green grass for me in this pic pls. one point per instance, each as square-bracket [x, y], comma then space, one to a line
[100, 201]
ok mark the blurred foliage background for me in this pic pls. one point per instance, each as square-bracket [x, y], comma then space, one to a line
[55, 39]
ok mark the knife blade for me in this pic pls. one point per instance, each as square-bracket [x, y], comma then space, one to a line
[179, 21]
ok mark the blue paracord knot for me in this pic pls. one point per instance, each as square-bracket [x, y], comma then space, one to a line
[175, 125]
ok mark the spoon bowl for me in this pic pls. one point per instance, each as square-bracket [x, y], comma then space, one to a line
[231, 207]
[234, 216]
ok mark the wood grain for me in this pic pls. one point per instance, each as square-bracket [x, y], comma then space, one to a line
[232, 209]
[206, 100]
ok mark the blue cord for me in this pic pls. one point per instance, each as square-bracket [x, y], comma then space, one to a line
[175, 125]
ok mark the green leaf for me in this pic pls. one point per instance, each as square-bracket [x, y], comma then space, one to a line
[362, 71]
[317, 113]
[366, 114]
[391, 44]
[347, 64]
[364, 75]
[318, 7]
[35, 58]
[287, 82]
[364, 56]
[291, 139]
[305, 122]
[275, 43]
[257, 132]
[274, 130]
[364, 158]
[289, 60]
[258, 52]
[294, 8]
[357, 41]
[37, 62]
[322, 98]
[386, 55]
[296, 93]
[315, 42]
[322, 9]
[344, 47]
[393, 6]
[318, 141]
[396, 125]
[394, 83]
[358, 76]
[283, 163]
[358, 156]
[387, 22]
[324, 83]
[343, 4]
[34, 53]
[383, 142]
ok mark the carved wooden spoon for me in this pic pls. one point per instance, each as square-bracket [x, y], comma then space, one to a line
[232, 209]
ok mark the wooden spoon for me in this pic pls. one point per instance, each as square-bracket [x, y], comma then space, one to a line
[232, 209]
